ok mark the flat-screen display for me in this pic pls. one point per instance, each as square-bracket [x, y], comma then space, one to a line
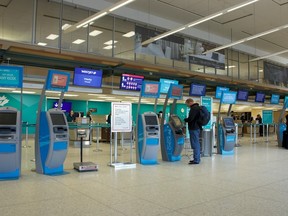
[260, 97]
[177, 91]
[176, 121]
[59, 80]
[151, 120]
[275, 99]
[242, 95]
[65, 106]
[88, 77]
[131, 82]
[229, 97]
[228, 122]
[165, 85]
[197, 90]
[8, 118]
[151, 88]
[219, 91]
[58, 118]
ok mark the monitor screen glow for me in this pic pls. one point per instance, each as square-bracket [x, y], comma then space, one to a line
[260, 97]
[242, 95]
[58, 118]
[151, 120]
[151, 88]
[275, 99]
[59, 80]
[131, 82]
[197, 90]
[228, 122]
[88, 77]
[8, 118]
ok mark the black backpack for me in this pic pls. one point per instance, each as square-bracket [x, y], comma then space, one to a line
[204, 116]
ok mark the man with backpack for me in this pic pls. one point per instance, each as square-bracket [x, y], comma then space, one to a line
[194, 129]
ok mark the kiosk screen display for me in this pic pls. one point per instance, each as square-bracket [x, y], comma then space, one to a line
[8, 118]
[151, 88]
[176, 121]
[131, 82]
[59, 80]
[228, 122]
[176, 91]
[197, 90]
[151, 120]
[242, 95]
[58, 119]
[165, 85]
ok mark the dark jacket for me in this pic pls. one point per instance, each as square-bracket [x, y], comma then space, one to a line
[193, 116]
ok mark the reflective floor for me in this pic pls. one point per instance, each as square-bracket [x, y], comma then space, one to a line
[252, 182]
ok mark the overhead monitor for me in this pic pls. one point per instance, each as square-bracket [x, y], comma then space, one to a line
[260, 97]
[275, 99]
[88, 77]
[11, 76]
[242, 95]
[219, 91]
[228, 122]
[176, 121]
[58, 118]
[165, 85]
[175, 92]
[151, 120]
[8, 118]
[197, 89]
[228, 97]
[131, 82]
[65, 106]
[57, 81]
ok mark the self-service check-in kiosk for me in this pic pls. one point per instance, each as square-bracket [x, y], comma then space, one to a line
[53, 142]
[228, 138]
[10, 143]
[148, 138]
[173, 139]
[52, 134]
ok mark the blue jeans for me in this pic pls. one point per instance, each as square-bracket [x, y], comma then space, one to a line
[195, 144]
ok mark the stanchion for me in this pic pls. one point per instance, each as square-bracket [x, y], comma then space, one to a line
[236, 142]
[26, 136]
[255, 141]
[251, 133]
[267, 132]
[97, 140]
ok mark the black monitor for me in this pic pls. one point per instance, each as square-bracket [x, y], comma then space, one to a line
[58, 118]
[151, 120]
[8, 118]
[176, 121]
[228, 122]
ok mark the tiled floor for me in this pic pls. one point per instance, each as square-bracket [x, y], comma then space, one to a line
[252, 182]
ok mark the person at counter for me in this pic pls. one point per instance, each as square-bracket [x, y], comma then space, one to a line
[88, 115]
[108, 120]
[71, 116]
[259, 119]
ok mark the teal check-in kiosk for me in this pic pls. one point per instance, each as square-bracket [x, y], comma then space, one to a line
[172, 140]
[10, 126]
[52, 136]
[147, 127]
[226, 128]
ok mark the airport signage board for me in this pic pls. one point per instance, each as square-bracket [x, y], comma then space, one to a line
[121, 117]
[11, 76]
[165, 85]
[175, 92]
[208, 103]
[197, 90]
[88, 77]
[57, 81]
[150, 89]
[131, 82]
[275, 99]
[229, 97]
[267, 116]
[219, 91]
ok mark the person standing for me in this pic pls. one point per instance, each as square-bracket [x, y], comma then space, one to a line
[259, 118]
[71, 116]
[194, 129]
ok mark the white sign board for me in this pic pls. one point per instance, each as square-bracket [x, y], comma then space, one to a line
[121, 117]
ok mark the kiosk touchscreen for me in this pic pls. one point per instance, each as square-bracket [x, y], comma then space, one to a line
[148, 138]
[173, 139]
[10, 143]
[229, 136]
[53, 142]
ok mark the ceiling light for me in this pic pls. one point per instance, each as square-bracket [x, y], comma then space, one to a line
[108, 47]
[10, 89]
[24, 92]
[78, 41]
[52, 98]
[129, 34]
[231, 66]
[41, 44]
[55, 92]
[268, 56]
[260, 70]
[96, 100]
[95, 33]
[120, 4]
[52, 37]
[66, 26]
[71, 95]
[94, 94]
[110, 42]
[107, 97]
[204, 19]
[247, 39]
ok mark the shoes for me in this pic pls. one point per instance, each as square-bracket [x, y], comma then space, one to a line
[193, 162]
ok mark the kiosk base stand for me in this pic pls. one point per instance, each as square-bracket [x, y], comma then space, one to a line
[84, 166]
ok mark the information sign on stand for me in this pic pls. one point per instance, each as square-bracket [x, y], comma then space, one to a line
[121, 117]
[208, 103]
[267, 116]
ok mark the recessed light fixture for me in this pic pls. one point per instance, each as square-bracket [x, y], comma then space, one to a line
[71, 95]
[11, 89]
[110, 42]
[107, 97]
[78, 41]
[230, 66]
[108, 47]
[129, 34]
[41, 44]
[52, 37]
[55, 92]
[96, 100]
[66, 26]
[95, 33]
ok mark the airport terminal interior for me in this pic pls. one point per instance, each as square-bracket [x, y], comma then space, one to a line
[93, 100]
